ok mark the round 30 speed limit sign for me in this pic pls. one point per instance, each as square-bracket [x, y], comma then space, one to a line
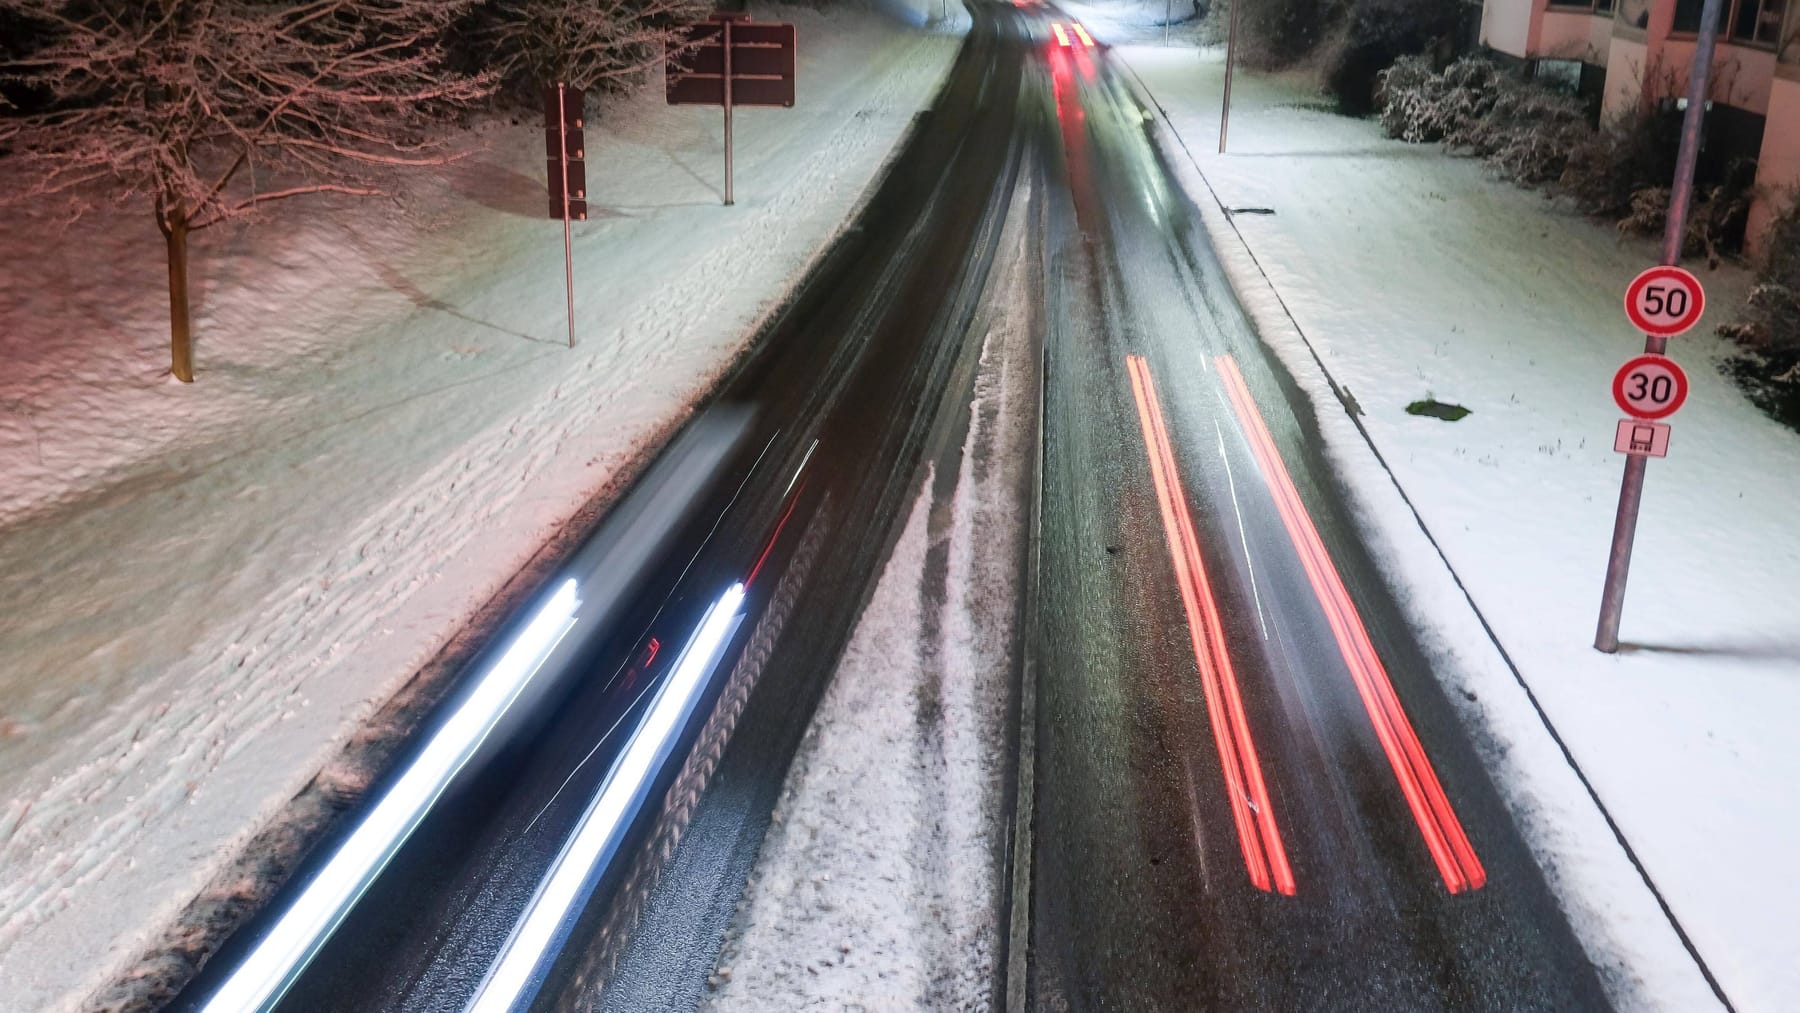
[1650, 387]
[1665, 301]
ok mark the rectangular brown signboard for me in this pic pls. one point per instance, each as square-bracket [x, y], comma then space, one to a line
[576, 181]
[565, 149]
[762, 66]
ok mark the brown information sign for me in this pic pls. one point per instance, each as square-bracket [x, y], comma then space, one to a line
[762, 65]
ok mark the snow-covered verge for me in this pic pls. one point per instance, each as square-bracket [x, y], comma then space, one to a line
[1398, 273]
[878, 885]
[205, 590]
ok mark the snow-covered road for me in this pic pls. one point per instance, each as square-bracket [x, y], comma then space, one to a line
[878, 887]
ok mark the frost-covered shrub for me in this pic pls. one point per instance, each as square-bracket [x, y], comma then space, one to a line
[1419, 105]
[1769, 324]
[1716, 218]
[1403, 96]
[1377, 32]
[1609, 167]
[1770, 320]
[1535, 135]
[1523, 130]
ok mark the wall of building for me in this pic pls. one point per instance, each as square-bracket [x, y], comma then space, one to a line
[1636, 48]
[1506, 25]
[1741, 74]
[1778, 169]
[1573, 35]
[1625, 62]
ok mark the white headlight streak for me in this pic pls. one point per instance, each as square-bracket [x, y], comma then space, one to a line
[299, 933]
[514, 978]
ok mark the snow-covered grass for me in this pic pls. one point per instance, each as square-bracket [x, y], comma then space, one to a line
[204, 590]
[878, 886]
[1411, 274]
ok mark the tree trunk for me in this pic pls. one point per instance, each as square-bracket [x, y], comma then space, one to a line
[181, 331]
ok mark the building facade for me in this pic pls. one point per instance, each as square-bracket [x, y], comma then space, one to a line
[1629, 53]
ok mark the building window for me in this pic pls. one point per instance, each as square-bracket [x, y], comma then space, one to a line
[1591, 6]
[1757, 22]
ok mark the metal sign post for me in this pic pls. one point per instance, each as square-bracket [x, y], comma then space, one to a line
[1631, 489]
[1230, 60]
[564, 164]
[727, 31]
[562, 124]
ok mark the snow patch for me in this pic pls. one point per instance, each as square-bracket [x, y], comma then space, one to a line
[878, 885]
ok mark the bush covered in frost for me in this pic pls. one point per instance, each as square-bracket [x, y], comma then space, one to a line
[1378, 32]
[1538, 136]
[1770, 321]
[1768, 325]
[1526, 131]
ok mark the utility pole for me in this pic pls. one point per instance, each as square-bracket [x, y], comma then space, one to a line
[1631, 489]
[1230, 61]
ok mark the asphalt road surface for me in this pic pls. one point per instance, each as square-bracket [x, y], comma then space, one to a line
[1251, 791]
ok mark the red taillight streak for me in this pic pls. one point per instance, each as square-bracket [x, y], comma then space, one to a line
[1062, 37]
[1086, 39]
[770, 547]
[1251, 810]
[1443, 832]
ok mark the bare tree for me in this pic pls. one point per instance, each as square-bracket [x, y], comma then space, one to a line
[584, 43]
[212, 108]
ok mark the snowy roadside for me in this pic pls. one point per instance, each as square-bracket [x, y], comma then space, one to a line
[205, 590]
[878, 885]
[1410, 274]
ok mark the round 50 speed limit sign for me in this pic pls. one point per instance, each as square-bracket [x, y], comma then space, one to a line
[1650, 387]
[1665, 301]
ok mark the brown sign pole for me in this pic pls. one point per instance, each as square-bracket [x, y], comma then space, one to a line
[562, 130]
[565, 162]
[727, 31]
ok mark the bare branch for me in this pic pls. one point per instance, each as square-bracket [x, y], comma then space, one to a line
[176, 100]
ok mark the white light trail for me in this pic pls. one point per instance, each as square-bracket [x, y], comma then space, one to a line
[511, 979]
[299, 933]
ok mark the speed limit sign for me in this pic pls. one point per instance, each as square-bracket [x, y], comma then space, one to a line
[1664, 301]
[1650, 387]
